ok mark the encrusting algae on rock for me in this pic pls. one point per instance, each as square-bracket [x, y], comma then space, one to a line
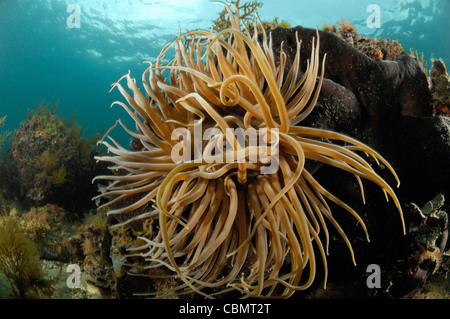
[440, 88]
[384, 49]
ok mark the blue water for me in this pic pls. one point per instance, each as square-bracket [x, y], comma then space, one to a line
[42, 57]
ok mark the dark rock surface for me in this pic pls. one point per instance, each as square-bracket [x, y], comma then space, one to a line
[387, 105]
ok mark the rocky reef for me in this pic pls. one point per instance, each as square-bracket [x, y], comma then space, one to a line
[385, 101]
[372, 90]
[45, 241]
[377, 49]
[391, 106]
[46, 209]
[51, 161]
[20, 268]
[440, 88]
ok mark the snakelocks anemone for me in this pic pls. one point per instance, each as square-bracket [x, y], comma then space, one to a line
[221, 166]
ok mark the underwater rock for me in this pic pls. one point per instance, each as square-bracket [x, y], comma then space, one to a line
[384, 90]
[384, 49]
[431, 222]
[388, 105]
[426, 255]
[47, 227]
[440, 88]
[420, 149]
[337, 109]
[86, 250]
[51, 161]
[21, 271]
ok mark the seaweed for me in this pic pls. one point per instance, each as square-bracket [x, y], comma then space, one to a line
[51, 160]
[20, 264]
[49, 228]
[440, 88]
[247, 10]
[283, 23]
[385, 49]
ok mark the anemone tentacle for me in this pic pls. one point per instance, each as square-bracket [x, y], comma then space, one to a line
[224, 225]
